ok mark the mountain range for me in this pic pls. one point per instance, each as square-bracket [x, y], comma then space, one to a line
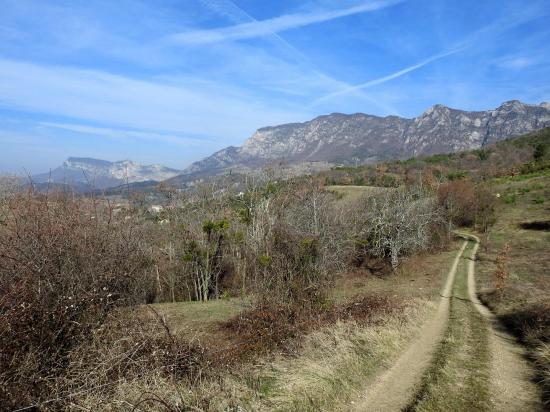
[329, 140]
[87, 173]
[341, 139]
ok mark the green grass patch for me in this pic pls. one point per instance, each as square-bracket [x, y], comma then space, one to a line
[439, 158]
[457, 175]
[509, 198]
[198, 318]
[522, 177]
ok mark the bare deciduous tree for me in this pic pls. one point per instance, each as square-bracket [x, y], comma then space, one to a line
[398, 222]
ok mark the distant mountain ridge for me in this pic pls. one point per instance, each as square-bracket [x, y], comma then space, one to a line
[348, 139]
[83, 172]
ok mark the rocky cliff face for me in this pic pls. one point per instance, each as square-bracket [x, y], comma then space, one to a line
[101, 174]
[348, 139]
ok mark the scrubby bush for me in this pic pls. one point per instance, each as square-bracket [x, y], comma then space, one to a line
[482, 154]
[540, 151]
[535, 167]
[467, 203]
[457, 175]
[297, 242]
[64, 265]
[501, 273]
[9, 184]
[67, 263]
[127, 347]
[261, 330]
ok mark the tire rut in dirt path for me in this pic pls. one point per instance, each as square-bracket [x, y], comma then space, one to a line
[511, 374]
[393, 390]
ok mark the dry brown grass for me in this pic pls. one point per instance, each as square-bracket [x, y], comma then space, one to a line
[321, 363]
[336, 363]
[354, 193]
[324, 369]
[419, 276]
[529, 261]
[542, 356]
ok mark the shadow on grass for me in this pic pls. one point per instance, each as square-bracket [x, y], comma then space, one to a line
[543, 225]
[531, 325]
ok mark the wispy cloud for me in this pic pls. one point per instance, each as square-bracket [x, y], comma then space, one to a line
[260, 28]
[183, 107]
[110, 88]
[516, 63]
[114, 133]
[383, 79]
[311, 74]
[475, 38]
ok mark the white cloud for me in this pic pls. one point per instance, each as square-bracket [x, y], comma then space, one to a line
[259, 28]
[474, 40]
[127, 134]
[267, 81]
[186, 107]
[516, 63]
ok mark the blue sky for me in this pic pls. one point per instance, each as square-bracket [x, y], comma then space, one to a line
[168, 81]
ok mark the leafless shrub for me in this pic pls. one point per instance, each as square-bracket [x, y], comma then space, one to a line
[500, 275]
[128, 348]
[64, 265]
[296, 244]
[9, 185]
[397, 223]
[467, 203]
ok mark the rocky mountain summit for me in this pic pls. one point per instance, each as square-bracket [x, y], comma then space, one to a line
[362, 138]
[101, 174]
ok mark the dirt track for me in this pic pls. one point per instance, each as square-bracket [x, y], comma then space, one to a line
[512, 388]
[395, 388]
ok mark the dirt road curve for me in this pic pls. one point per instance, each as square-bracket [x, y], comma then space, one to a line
[511, 383]
[396, 387]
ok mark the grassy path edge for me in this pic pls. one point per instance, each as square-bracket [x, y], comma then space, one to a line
[512, 376]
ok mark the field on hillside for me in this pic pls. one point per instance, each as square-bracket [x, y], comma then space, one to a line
[353, 193]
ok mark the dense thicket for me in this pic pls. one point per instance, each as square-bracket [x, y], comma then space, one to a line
[64, 265]
[67, 263]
